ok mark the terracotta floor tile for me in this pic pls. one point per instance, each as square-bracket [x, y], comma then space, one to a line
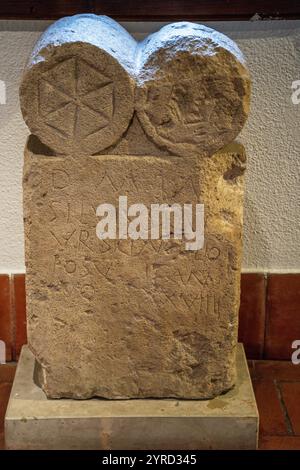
[291, 396]
[271, 415]
[7, 372]
[279, 370]
[283, 318]
[279, 443]
[252, 314]
[2, 444]
[251, 367]
[5, 389]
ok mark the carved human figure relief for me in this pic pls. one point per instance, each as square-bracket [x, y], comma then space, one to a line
[193, 89]
[151, 123]
[190, 83]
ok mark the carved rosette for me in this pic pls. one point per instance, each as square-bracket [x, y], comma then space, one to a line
[132, 318]
[187, 83]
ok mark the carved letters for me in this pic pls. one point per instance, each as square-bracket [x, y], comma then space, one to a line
[126, 318]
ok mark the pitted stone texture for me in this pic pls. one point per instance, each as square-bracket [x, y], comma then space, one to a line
[190, 83]
[124, 318]
[33, 422]
[193, 89]
[77, 93]
[132, 318]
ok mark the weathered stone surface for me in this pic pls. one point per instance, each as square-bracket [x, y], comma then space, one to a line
[77, 93]
[190, 83]
[33, 422]
[193, 89]
[127, 318]
[132, 318]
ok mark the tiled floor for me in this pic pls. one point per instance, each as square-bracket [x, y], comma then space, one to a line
[277, 389]
[7, 373]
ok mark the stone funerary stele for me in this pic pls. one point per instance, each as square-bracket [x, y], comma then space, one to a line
[154, 121]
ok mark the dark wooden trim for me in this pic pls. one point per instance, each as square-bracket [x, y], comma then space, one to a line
[153, 10]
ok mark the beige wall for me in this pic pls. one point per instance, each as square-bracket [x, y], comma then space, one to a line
[271, 137]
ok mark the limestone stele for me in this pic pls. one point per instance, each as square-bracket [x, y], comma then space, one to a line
[155, 122]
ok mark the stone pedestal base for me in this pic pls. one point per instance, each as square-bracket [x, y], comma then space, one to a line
[229, 421]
